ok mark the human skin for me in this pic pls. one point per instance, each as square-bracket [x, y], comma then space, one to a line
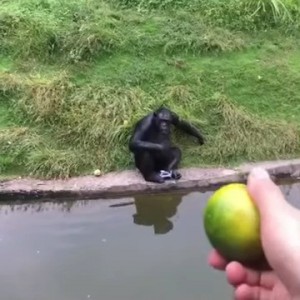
[280, 236]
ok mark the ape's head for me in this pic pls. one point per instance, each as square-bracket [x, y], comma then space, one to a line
[162, 119]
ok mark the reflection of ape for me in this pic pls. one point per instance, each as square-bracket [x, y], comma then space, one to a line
[155, 211]
[152, 147]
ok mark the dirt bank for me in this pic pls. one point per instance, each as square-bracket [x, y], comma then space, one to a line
[124, 183]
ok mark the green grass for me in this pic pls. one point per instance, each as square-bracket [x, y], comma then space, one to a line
[75, 76]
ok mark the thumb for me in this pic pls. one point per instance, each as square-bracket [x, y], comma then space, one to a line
[279, 228]
[266, 195]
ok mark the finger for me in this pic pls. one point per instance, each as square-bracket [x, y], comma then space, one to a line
[237, 274]
[216, 260]
[265, 193]
[246, 292]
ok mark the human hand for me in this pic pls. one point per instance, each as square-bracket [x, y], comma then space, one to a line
[280, 235]
[250, 284]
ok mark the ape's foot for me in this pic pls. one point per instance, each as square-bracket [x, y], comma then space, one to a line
[155, 177]
[176, 175]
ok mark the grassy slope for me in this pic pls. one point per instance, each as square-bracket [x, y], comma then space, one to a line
[75, 76]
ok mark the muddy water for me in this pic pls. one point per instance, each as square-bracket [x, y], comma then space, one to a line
[152, 249]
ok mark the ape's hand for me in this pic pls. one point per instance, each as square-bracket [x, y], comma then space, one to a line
[201, 140]
[165, 146]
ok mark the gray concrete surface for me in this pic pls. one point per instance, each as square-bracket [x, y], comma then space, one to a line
[125, 183]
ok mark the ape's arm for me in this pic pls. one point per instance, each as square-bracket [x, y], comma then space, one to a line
[137, 143]
[187, 127]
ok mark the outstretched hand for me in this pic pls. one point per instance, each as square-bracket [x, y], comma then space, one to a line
[280, 231]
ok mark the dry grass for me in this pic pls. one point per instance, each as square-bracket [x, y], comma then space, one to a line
[196, 37]
[83, 72]
[244, 135]
[81, 31]
[94, 124]
[48, 162]
[15, 144]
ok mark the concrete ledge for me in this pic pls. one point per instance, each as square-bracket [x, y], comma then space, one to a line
[125, 183]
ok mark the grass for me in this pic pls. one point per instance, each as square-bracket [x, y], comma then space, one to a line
[75, 76]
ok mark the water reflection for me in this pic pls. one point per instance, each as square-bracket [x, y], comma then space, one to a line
[156, 211]
[151, 210]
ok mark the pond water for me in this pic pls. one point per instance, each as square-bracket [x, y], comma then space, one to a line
[152, 248]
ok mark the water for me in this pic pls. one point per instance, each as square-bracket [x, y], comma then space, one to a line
[153, 249]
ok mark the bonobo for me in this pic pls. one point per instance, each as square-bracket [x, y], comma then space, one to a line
[155, 156]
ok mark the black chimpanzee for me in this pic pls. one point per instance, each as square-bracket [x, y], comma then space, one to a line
[155, 156]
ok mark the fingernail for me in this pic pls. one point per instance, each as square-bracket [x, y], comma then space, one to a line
[259, 173]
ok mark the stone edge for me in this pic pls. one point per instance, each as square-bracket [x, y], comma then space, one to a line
[126, 183]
